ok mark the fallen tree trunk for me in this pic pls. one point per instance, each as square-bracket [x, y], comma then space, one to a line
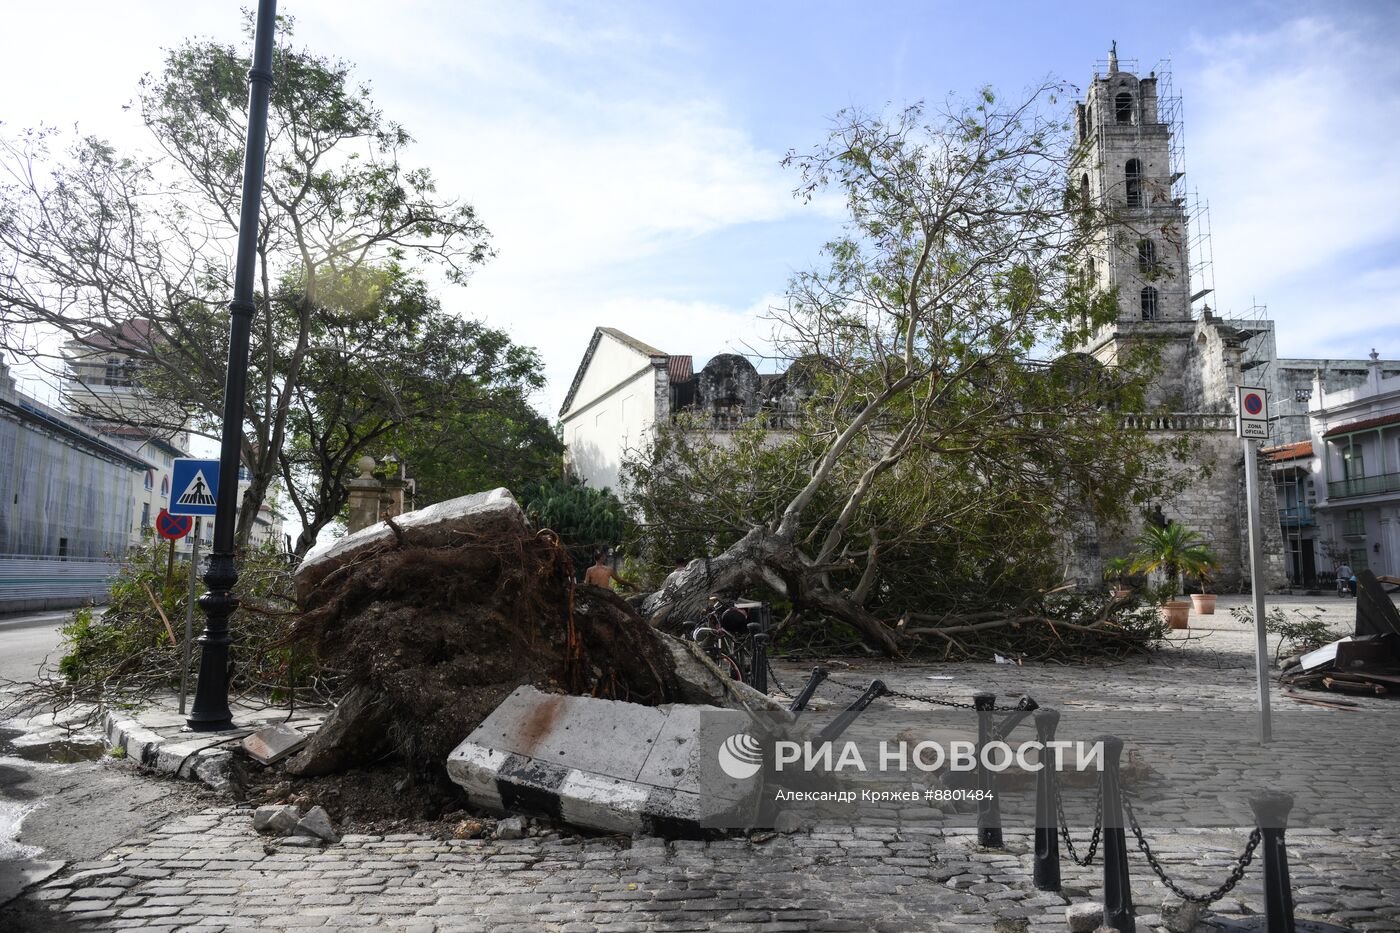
[762, 558]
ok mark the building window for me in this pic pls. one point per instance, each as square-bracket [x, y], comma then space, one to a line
[1132, 175]
[1359, 560]
[1353, 464]
[1084, 191]
[1093, 273]
[1123, 108]
[145, 515]
[165, 485]
[1147, 257]
[148, 480]
[1148, 300]
[1355, 523]
[62, 547]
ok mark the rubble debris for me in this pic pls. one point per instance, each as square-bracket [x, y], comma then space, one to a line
[434, 626]
[1180, 915]
[316, 823]
[512, 827]
[269, 746]
[600, 764]
[276, 820]
[1366, 662]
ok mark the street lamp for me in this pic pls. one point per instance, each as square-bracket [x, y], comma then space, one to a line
[210, 711]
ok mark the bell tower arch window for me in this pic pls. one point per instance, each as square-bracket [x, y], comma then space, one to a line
[1147, 257]
[1132, 177]
[1148, 301]
[1123, 107]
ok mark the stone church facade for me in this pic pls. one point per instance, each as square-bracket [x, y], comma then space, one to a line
[1131, 167]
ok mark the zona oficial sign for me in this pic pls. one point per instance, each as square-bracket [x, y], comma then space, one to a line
[1252, 419]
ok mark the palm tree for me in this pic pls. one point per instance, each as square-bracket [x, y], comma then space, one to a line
[1173, 549]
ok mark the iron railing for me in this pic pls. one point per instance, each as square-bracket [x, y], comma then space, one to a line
[1364, 486]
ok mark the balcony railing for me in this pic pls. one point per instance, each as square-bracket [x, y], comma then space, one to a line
[1295, 515]
[1364, 486]
[1181, 421]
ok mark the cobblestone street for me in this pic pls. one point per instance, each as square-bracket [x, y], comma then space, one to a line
[210, 871]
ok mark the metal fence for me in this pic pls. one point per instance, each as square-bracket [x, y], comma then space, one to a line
[30, 583]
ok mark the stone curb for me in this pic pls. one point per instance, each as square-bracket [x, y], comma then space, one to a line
[202, 758]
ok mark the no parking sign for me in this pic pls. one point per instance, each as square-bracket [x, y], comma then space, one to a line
[173, 527]
[1253, 412]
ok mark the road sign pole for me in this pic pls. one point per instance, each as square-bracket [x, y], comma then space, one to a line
[189, 618]
[1251, 422]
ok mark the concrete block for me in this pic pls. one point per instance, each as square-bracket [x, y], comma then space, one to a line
[601, 764]
[482, 513]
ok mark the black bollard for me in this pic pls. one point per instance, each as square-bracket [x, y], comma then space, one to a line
[1024, 707]
[988, 808]
[848, 715]
[805, 697]
[1046, 873]
[1117, 893]
[758, 666]
[1271, 811]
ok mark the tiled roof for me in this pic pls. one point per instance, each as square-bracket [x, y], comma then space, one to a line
[1377, 422]
[1288, 451]
[680, 368]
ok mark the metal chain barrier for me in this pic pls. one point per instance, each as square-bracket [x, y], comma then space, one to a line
[1241, 863]
[1094, 837]
[777, 684]
[935, 701]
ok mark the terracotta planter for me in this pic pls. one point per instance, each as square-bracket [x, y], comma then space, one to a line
[1177, 613]
[1203, 603]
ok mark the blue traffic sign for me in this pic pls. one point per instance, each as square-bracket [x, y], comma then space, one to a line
[194, 487]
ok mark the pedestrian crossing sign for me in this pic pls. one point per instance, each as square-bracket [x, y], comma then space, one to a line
[194, 487]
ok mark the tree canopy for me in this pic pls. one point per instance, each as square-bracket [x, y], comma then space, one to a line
[134, 253]
[936, 463]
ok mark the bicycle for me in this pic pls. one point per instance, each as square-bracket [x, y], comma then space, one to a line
[731, 650]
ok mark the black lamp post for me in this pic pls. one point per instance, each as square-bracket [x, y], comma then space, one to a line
[210, 711]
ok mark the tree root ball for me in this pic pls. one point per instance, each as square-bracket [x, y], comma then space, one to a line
[431, 640]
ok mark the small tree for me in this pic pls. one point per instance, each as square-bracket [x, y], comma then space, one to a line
[1173, 549]
[585, 519]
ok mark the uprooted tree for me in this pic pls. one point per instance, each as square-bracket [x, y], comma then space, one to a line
[925, 483]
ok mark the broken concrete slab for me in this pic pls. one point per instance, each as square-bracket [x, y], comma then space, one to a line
[269, 746]
[601, 764]
[482, 514]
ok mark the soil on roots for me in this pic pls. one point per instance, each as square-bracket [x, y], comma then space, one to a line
[443, 635]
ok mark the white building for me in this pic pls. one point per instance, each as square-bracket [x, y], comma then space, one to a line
[1351, 477]
[622, 388]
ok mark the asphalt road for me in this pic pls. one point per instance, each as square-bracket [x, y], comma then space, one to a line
[53, 813]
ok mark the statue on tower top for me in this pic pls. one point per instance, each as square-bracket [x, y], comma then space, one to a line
[1113, 57]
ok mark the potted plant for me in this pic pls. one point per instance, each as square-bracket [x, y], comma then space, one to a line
[1173, 549]
[1204, 602]
[1114, 571]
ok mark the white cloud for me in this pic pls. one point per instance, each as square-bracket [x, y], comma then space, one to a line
[1292, 138]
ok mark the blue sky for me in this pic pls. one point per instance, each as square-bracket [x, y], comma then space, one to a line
[626, 155]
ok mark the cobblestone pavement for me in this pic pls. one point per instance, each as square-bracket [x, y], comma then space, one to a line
[210, 871]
